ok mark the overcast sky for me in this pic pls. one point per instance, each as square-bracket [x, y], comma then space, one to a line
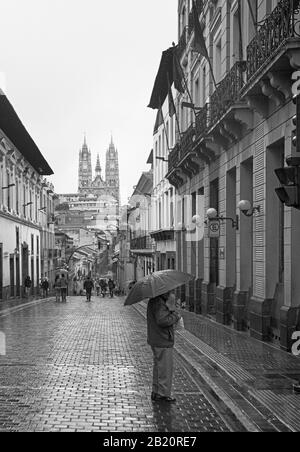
[71, 66]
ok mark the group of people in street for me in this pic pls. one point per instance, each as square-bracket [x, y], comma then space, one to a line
[44, 285]
[80, 285]
[101, 287]
[87, 285]
[61, 287]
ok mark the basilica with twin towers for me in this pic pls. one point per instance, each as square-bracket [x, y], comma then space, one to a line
[97, 186]
[97, 200]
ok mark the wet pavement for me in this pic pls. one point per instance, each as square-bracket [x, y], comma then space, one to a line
[86, 367]
[254, 378]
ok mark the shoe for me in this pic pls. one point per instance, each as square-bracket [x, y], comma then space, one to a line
[159, 398]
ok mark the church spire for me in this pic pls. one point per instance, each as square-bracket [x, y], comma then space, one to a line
[98, 167]
[84, 147]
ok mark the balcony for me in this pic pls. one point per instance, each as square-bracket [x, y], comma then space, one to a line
[174, 158]
[281, 25]
[187, 141]
[141, 243]
[201, 122]
[163, 235]
[182, 148]
[227, 92]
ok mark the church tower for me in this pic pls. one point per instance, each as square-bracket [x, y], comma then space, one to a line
[85, 176]
[112, 171]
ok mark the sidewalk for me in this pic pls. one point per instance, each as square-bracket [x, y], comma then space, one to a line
[253, 378]
[9, 306]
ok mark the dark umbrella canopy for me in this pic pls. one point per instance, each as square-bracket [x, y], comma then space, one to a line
[157, 284]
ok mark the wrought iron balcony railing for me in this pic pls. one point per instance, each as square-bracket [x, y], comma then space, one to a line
[174, 158]
[183, 147]
[141, 243]
[281, 24]
[201, 121]
[227, 92]
[187, 141]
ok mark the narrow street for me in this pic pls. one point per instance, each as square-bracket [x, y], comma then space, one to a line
[87, 367]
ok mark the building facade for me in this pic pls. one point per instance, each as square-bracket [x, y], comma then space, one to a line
[140, 226]
[245, 261]
[26, 208]
[164, 194]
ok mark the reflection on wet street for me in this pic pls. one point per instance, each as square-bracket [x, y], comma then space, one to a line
[87, 367]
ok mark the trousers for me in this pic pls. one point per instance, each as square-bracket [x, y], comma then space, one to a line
[162, 371]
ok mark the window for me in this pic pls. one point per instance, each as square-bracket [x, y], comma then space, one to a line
[17, 197]
[218, 61]
[32, 244]
[197, 93]
[30, 205]
[171, 209]
[36, 207]
[24, 200]
[194, 204]
[8, 191]
[235, 40]
[252, 28]
[17, 237]
[203, 87]
[171, 132]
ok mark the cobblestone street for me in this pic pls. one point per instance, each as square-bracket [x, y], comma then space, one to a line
[87, 367]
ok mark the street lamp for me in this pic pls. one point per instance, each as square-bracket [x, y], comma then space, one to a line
[212, 215]
[247, 209]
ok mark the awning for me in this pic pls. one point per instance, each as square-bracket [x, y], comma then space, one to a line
[13, 128]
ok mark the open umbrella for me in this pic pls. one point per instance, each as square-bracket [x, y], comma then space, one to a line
[156, 284]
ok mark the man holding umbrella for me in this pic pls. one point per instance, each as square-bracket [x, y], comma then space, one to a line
[161, 319]
[160, 322]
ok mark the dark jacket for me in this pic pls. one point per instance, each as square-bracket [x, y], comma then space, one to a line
[111, 284]
[27, 282]
[160, 322]
[88, 285]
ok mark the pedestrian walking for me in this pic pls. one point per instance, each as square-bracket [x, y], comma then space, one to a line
[45, 287]
[88, 287]
[111, 286]
[75, 286]
[57, 287]
[63, 288]
[161, 319]
[27, 286]
[103, 286]
[97, 285]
